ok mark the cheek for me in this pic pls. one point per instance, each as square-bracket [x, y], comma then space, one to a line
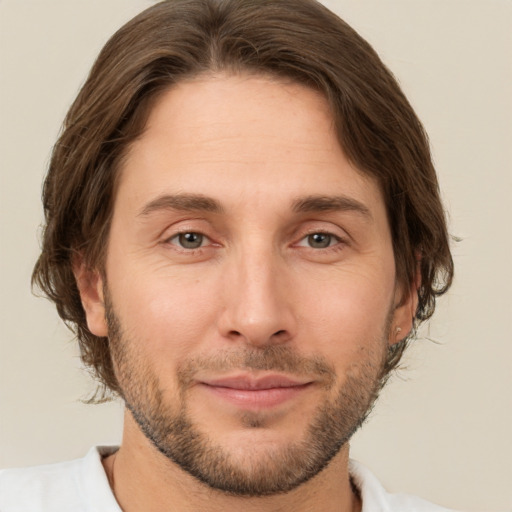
[349, 311]
[169, 312]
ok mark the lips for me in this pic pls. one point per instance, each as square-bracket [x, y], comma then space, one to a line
[256, 392]
[248, 382]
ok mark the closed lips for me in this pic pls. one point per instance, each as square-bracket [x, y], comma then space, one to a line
[250, 383]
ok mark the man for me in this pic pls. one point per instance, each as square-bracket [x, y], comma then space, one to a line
[243, 226]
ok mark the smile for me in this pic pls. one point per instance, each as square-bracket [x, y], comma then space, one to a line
[249, 392]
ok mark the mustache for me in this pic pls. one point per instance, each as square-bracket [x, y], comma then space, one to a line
[270, 358]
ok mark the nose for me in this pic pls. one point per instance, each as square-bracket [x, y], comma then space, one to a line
[258, 300]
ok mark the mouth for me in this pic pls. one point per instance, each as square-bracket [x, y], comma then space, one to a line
[248, 391]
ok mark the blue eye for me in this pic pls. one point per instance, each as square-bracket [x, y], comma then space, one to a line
[189, 240]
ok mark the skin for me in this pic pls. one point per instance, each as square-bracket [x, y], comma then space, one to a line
[256, 146]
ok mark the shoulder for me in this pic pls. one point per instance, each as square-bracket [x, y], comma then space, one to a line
[73, 485]
[39, 488]
[376, 498]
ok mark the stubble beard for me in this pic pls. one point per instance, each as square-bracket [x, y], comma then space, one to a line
[171, 430]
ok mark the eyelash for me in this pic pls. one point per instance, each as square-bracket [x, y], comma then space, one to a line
[187, 232]
[338, 244]
[333, 238]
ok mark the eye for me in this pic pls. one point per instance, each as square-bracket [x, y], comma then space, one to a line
[189, 240]
[319, 240]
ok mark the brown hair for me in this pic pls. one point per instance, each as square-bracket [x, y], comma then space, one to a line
[177, 39]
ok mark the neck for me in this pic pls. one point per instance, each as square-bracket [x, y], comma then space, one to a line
[143, 479]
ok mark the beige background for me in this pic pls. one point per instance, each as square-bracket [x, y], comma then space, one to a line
[442, 428]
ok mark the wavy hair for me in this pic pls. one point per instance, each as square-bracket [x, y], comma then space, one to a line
[175, 40]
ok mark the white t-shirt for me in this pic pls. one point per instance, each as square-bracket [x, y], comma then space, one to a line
[81, 485]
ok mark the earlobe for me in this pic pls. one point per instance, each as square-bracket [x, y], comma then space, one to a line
[406, 304]
[90, 286]
[404, 314]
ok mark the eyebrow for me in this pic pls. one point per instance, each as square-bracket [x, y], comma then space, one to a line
[202, 203]
[316, 203]
[181, 202]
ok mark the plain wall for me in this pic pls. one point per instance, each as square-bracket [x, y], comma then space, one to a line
[442, 427]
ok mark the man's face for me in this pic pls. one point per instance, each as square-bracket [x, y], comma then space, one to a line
[250, 286]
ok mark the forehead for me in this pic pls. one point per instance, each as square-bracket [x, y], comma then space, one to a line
[258, 108]
[230, 135]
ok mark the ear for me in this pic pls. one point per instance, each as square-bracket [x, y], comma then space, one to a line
[90, 286]
[406, 303]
